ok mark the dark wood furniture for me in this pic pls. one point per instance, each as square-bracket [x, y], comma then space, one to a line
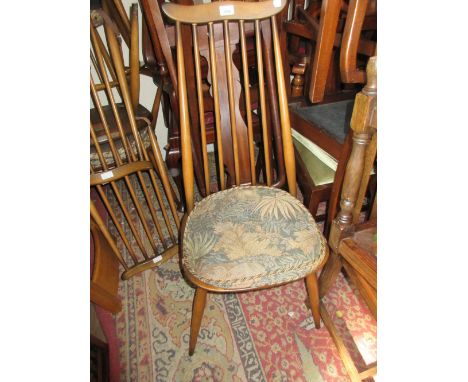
[326, 124]
[99, 360]
[216, 28]
[127, 169]
[323, 40]
[354, 244]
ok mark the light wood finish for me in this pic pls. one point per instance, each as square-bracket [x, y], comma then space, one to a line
[367, 291]
[215, 42]
[118, 23]
[360, 257]
[352, 244]
[222, 127]
[105, 274]
[186, 141]
[288, 148]
[340, 345]
[234, 10]
[198, 308]
[128, 161]
[369, 372]
[314, 299]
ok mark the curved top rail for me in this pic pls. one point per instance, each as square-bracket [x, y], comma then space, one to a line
[224, 10]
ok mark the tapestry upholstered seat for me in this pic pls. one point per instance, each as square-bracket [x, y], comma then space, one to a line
[249, 237]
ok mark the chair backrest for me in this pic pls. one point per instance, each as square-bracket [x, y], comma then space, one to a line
[361, 161]
[127, 169]
[326, 34]
[216, 28]
[126, 28]
[155, 39]
[356, 12]
[361, 15]
[324, 25]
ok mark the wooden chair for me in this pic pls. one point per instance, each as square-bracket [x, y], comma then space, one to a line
[321, 30]
[127, 29]
[162, 36]
[127, 171]
[249, 236]
[353, 244]
[321, 130]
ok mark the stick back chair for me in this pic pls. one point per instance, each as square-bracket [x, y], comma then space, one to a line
[127, 170]
[126, 28]
[244, 237]
[162, 35]
[353, 244]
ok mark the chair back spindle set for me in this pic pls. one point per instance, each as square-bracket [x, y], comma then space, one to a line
[127, 171]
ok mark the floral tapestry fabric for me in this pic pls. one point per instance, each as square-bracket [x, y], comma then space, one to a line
[251, 236]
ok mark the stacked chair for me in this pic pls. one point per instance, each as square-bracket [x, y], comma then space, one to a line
[353, 242]
[130, 187]
[343, 36]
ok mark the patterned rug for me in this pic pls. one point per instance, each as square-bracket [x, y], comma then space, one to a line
[256, 336]
[265, 335]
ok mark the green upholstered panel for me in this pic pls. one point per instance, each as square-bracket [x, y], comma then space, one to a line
[320, 165]
[333, 118]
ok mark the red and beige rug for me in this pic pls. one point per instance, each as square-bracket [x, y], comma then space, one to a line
[256, 336]
[265, 335]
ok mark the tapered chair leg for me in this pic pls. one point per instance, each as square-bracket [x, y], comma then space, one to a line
[314, 298]
[329, 273]
[199, 301]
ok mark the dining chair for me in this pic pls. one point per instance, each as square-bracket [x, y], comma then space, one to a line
[353, 243]
[248, 236]
[126, 28]
[162, 36]
[317, 34]
[321, 130]
[128, 176]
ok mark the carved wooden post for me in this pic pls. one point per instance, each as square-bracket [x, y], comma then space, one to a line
[363, 123]
[297, 84]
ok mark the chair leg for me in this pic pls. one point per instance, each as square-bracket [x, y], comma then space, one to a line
[314, 298]
[329, 273]
[199, 301]
[313, 205]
